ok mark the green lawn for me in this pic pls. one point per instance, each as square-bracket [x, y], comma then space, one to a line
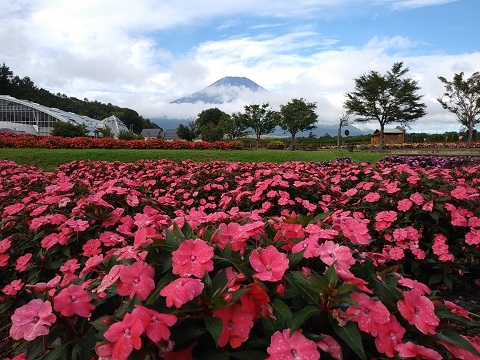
[49, 159]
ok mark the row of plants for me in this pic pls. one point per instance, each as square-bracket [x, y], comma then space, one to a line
[10, 140]
[218, 260]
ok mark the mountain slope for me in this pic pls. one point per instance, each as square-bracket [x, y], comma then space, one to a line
[221, 91]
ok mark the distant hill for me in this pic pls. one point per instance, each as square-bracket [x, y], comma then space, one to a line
[320, 130]
[221, 91]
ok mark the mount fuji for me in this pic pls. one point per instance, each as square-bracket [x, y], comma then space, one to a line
[222, 91]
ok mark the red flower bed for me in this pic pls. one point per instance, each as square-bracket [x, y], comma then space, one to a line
[9, 140]
[165, 260]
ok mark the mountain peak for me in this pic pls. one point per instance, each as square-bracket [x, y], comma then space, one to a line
[221, 91]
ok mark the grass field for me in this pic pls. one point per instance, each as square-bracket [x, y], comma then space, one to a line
[49, 159]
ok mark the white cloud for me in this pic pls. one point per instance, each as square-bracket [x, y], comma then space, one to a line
[111, 51]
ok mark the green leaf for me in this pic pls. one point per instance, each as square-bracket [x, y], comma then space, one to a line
[351, 335]
[57, 353]
[214, 326]
[307, 289]
[300, 317]
[171, 241]
[331, 276]
[219, 282]
[295, 258]
[282, 311]
[248, 355]
[387, 289]
[454, 338]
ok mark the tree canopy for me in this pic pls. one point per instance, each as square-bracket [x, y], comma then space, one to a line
[386, 98]
[462, 98]
[296, 116]
[70, 130]
[260, 118]
[209, 122]
[188, 132]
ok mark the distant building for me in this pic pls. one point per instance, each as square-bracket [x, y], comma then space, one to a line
[390, 136]
[151, 133]
[171, 134]
[26, 117]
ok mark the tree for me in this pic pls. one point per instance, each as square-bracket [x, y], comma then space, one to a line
[208, 122]
[234, 126]
[6, 78]
[344, 120]
[462, 98]
[386, 98]
[70, 130]
[188, 132]
[296, 116]
[260, 118]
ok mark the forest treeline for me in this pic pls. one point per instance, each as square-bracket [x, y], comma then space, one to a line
[25, 89]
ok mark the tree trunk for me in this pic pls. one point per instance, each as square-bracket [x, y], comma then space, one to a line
[292, 144]
[258, 142]
[339, 135]
[470, 134]
[382, 129]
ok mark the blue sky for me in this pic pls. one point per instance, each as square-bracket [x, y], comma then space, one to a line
[146, 53]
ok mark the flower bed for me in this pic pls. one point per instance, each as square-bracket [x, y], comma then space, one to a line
[165, 260]
[10, 140]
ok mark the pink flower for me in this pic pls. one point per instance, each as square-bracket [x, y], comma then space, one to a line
[287, 346]
[13, 287]
[73, 300]
[417, 199]
[269, 263]
[13, 209]
[404, 205]
[254, 300]
[411, 350]
[353, 229]
[418, 310]
[330, 346]
[181, 290]
[389, 335]
[236, 325]
[372, 197]
[384, 219]
[70, 266]
[192, 258]
[92, 247]
[330, 253]
[231, 234]
[125, 336]
[77, 225]
[23, 261]
[5, 244]
[310, 245]
[155, 324]
[369, 313]
[473, 237]
[414, 284]
[136, 279]
[32, 320]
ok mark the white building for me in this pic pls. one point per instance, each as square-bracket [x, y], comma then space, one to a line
[22, 116]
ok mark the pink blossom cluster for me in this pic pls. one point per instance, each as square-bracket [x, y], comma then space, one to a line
[288, 261]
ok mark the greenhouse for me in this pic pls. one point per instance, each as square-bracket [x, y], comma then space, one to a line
[21, 116]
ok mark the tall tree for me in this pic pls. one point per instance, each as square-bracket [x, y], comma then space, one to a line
[462, 98]
[344, 120]
[234, 126]
[386, 98]
[296, 116]
[260, 118]
[208, 122]
[6, 78]
[188, 132]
